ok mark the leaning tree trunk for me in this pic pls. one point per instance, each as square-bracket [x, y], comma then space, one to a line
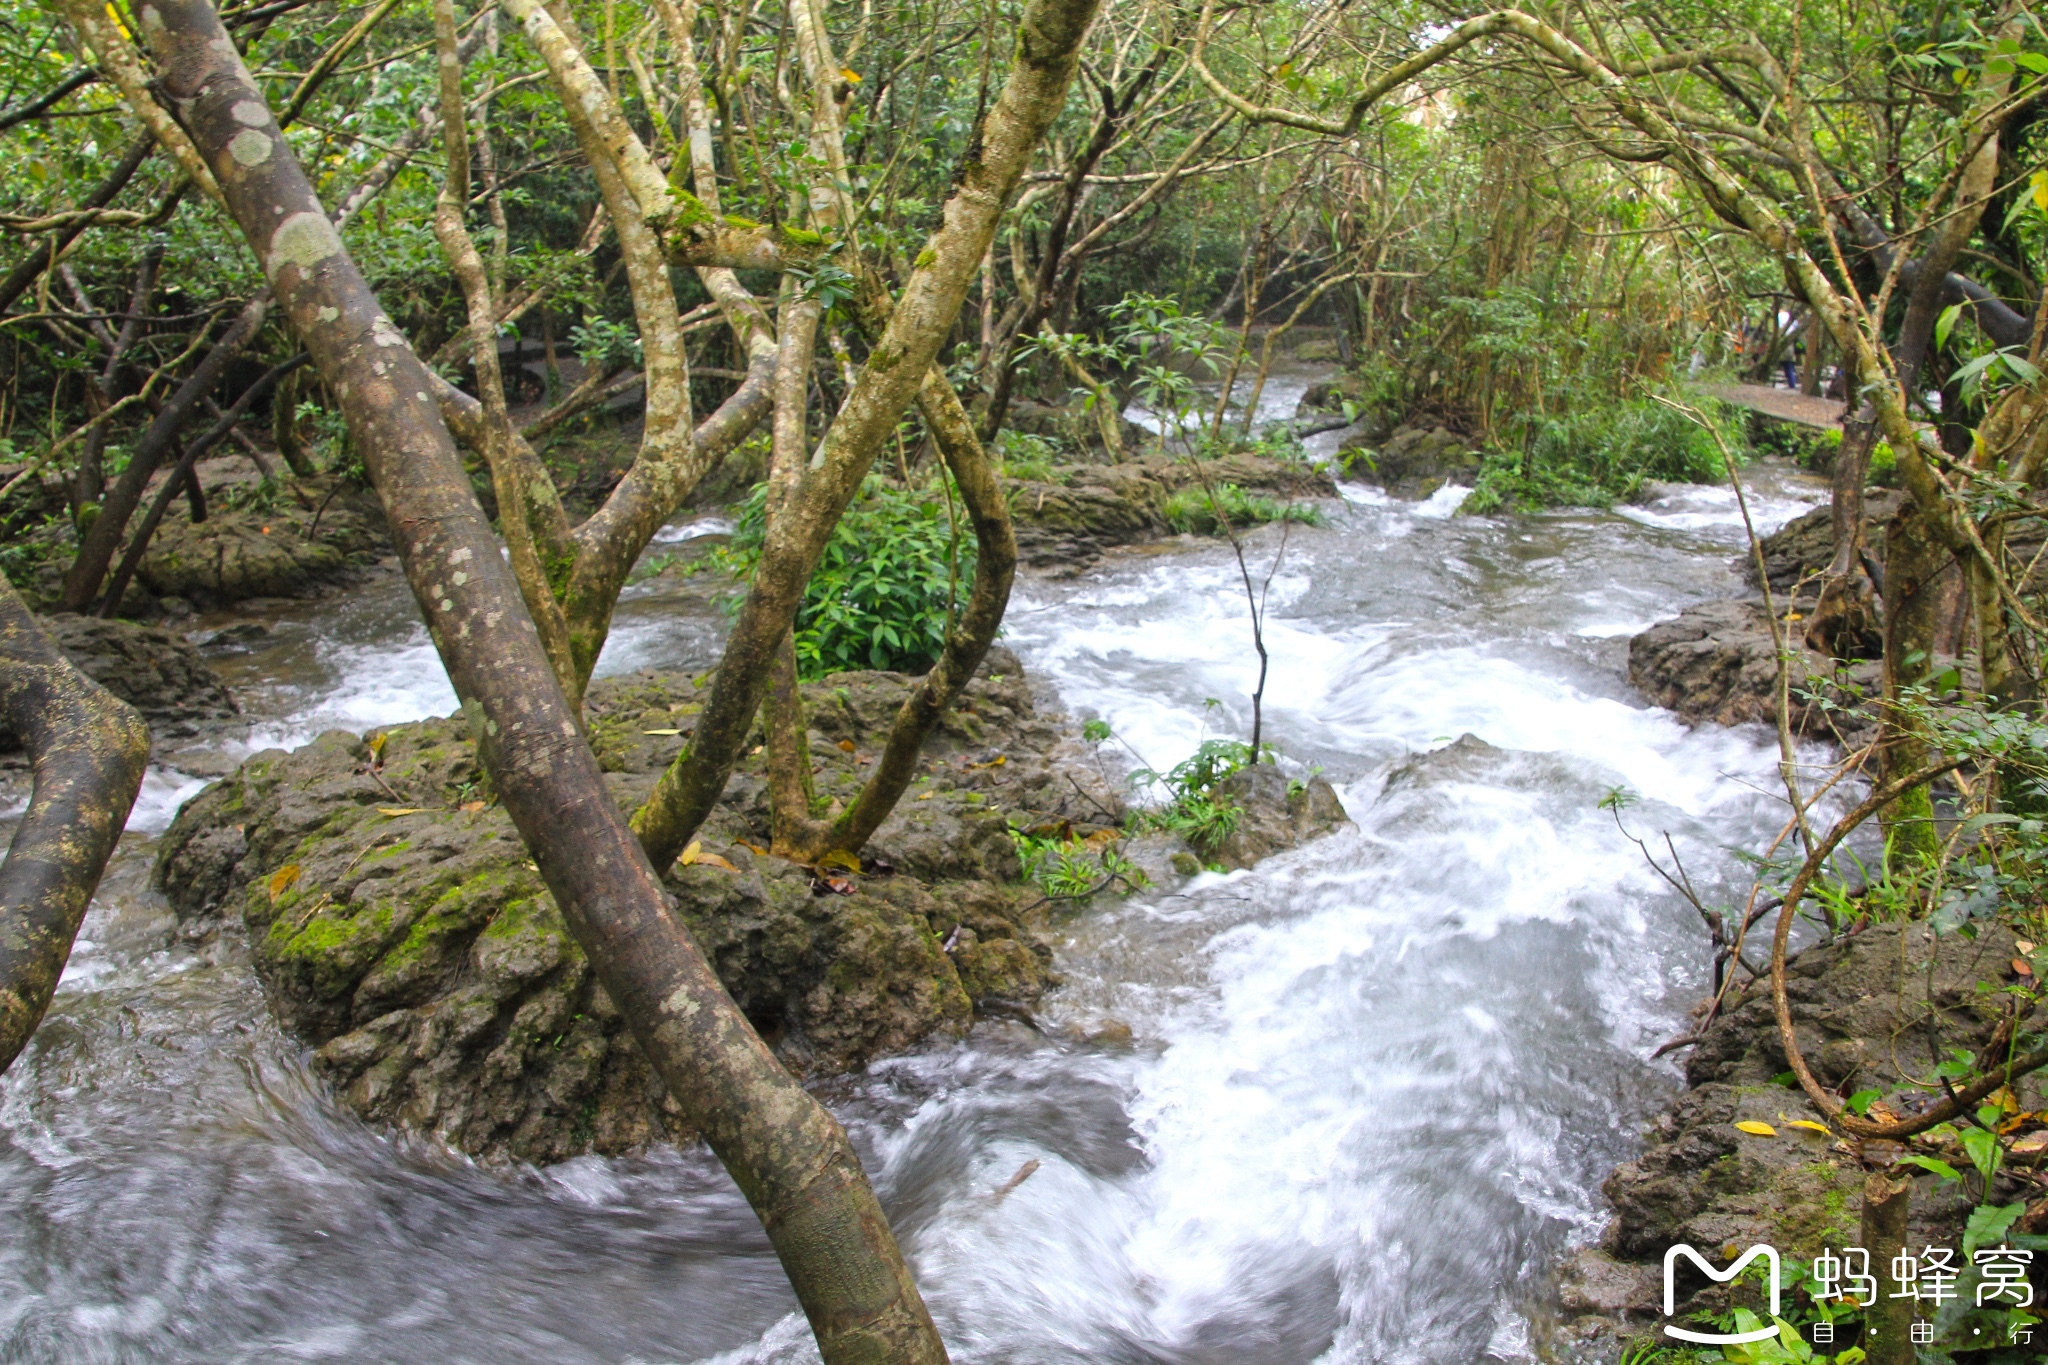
[788, 1155]
[88, 750]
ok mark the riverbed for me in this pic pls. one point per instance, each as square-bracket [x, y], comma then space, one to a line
[1348, 1106]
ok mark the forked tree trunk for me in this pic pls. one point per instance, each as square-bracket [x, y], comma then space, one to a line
[790, 1157]
[88, 750]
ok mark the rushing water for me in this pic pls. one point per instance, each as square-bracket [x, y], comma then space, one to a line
[1344, 1107]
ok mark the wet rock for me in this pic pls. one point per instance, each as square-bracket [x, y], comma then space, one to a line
[1883, 1005]
[1412, 463]
[400, 929]
[1073, 427]
[1278, 813]
[157, 672]
[1796, 554]
[291, 543]
[1717, 661]
[1065, 524]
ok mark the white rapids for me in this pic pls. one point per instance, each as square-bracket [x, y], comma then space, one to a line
[1346, 1107]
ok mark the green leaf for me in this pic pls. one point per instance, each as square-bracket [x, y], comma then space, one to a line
[1933, 1164]
[1860, 1102]
[1944, 323]
[2034, 62]
[1984, 1151]
[1988, 1224]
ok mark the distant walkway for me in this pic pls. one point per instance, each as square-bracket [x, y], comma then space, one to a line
[1783, 404]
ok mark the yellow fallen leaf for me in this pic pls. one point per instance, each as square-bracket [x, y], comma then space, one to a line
[692, 853]
[846, 746]
[1758, 1129]
[376, 745]
[1810, 1126]
[472, 807]
[927, 796]
[839, 857]
[398, 810]
[283, 880]
[715, 861]
[2023, 945]
[849, 75]
[661, 732]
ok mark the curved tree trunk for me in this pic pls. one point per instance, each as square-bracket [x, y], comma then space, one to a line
[790, 1157]
[89, 750]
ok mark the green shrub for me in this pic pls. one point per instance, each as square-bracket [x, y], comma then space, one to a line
[1192, 510]
[1195, 810]
[886, 586]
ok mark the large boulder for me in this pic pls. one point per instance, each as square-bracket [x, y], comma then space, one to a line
[399, 928]
[1073, 427]
[1065, 524]
[157, 672]
[294, 541]
[1798, 552]
[1413, 462]
[1717, 661]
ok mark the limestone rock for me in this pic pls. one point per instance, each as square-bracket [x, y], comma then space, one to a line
[399, 928]
[1796, 553]
[1865, 1007]
[282, 549]
[1067, 523]
[1717, 661]
[1413, 462]
[1279, 813]
[157, 672]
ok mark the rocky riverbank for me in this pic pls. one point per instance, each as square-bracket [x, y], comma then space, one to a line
[400, 930]
[1741, 1157]
[1717, 661]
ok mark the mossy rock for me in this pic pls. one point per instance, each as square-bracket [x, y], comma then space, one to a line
[399, 927]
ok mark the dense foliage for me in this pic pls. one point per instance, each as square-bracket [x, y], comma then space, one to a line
[891, 580]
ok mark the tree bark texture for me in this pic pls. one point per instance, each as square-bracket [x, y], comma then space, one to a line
[1914, 561]
[88, 750]
[790, 1158]
[1888, 1323]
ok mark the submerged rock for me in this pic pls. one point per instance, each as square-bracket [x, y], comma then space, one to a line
[157, 672]
[400, 929]
[1717, 661]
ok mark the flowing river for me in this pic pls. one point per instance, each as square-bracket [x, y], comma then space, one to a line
[1345, 1107]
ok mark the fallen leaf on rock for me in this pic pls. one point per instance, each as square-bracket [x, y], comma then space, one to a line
[283, 880]
[472, 807]
[661, 732]
[1810, 1126]
[1757, 1129]
[846, 745]
[927, 796]
[398, 810]
[2023, 945]
[839, 857]
[2022, 967]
